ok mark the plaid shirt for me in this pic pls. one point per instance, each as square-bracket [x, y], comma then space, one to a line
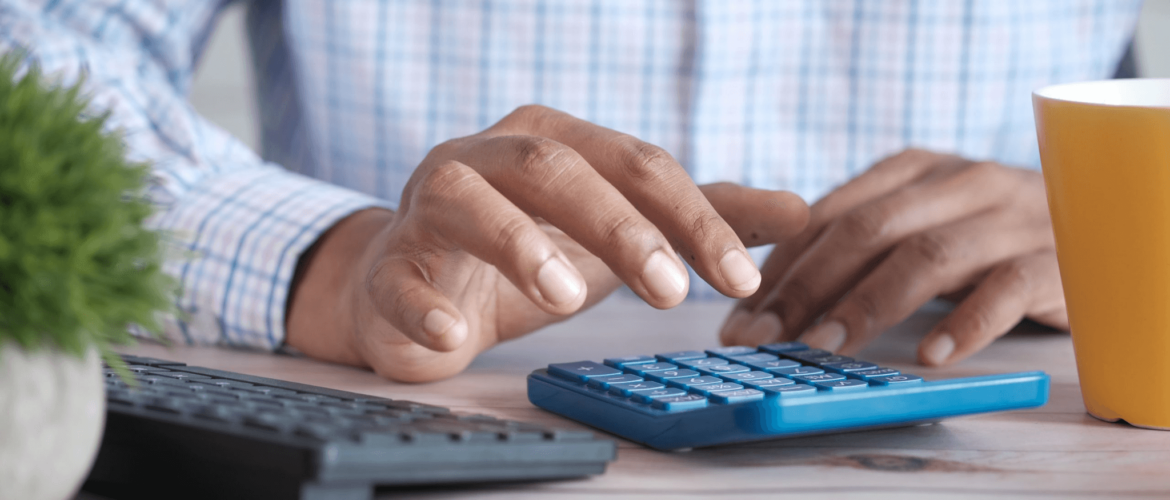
[797, 95]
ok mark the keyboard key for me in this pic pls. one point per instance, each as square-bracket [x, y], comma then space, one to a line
[665, 392]
[904, 378]
[645, 368]
[735, 350]
[742, 377]
[841, 385]
[629, 388]
[782, 347]
[710, 389]
[827, 360]
[748, 358]
[740, 396]
[629, 360]
[675, 357]
[772, 366]
[805, 354]
[722, 369]
[665, 375]
[870, 374]
[768, 382]
[797, 370]
[605, 382]
[581, 371]
[687, 383]
[849, 366]
[695, 364]
[787, 391]
[823, 377]
[687, 402]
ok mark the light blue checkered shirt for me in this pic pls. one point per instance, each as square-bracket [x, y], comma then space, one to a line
[797, 95]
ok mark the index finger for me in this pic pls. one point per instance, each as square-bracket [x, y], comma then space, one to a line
[660, 189]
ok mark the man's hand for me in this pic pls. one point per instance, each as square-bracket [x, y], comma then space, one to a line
[916, 226]
[505, 231]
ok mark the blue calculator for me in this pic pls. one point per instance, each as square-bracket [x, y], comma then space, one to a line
[689, 399]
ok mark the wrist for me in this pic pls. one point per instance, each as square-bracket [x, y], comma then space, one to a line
[320, 319]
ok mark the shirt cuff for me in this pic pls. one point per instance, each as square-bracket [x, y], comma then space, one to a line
[236, 237]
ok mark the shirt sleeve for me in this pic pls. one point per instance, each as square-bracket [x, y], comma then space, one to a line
[239, 223]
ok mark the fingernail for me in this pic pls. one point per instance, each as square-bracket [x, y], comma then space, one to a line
[557, 283]
[437, 322]
[766, 328]
[663, 277]
[739, 272]
[939, 349]
[734, 325]
[828, 336]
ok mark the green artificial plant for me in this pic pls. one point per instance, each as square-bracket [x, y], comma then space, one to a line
[77, 266]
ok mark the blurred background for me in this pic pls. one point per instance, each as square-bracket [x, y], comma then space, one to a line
[222, 91]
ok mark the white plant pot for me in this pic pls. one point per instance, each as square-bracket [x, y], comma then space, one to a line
[52, 412]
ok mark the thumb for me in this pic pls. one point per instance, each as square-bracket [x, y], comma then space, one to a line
[758, 216]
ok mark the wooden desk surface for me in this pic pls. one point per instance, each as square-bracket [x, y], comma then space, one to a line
[1056, 451]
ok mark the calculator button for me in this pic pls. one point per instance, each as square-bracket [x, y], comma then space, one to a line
[675, 357]
[828, 360]
[871, 374]
[695, 364]
[772, 366]
[629, 360]
[740, 396]
[904, 378]
[710, 389]
[665, 392]
[605, 382]
[748, 358]
[722, 369]
[824, 377]
[849, 366]
[746, 376]
[735, 350]
[780, 347]
[841, 385]
[687, 383]
[787, 391]
[629, 388]
[664, 375]
[768, 382]
[649, 367]
[806, 354]
[686, 402]
[581, 371]
[798, 370]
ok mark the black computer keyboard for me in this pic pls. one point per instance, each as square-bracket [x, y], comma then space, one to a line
[193, 432]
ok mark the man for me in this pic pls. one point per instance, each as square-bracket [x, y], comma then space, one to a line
[447, 216]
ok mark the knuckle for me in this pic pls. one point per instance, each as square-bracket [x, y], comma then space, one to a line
[794, 300]
[933, 250]
[864, 227]
[979, 320]
[528, 111]
[703, 224]
[1015, 274]
[529, 117]
[904, 159]
[514, 236]
[866, 305]
[985, 169]
[623, 228]
[443, 182]
[539, 156]
[645, 161]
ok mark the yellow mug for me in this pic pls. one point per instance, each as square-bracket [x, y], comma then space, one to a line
[1105, 152]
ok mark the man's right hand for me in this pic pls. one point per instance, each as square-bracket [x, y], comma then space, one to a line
[503, 232]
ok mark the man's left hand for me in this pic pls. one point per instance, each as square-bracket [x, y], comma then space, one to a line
[916, 226]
